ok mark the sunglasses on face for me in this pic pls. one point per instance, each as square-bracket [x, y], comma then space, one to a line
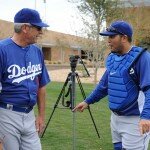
[112, 29]
[37, 27]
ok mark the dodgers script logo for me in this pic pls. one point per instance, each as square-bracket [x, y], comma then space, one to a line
[19, 74]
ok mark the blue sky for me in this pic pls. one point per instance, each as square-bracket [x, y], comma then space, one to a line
[61, 15]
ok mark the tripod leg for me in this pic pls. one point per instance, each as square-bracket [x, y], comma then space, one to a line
[84, 97]
[56, 104]
[48, 121]
[93, 122]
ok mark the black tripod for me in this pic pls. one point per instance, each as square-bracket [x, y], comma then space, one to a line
[72, 76]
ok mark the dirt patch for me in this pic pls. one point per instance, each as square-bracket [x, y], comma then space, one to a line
[61, 75]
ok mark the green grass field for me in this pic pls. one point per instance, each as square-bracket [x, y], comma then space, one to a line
[59, 134]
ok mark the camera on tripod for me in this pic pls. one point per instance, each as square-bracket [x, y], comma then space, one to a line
[73, 61]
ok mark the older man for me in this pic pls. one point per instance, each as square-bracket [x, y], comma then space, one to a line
[23, 77]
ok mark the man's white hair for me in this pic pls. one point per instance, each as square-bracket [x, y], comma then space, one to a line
[17, 26]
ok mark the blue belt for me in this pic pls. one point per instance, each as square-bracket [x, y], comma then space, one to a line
[116, 113]
[15, 108]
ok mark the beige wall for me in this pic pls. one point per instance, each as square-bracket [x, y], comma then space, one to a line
[6, 29]
[58, 44]
[62, 55]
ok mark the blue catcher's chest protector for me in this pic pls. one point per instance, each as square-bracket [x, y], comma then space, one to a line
[122, 90]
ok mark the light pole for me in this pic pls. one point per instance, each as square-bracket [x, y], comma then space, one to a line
[45, 9]
[35, 4]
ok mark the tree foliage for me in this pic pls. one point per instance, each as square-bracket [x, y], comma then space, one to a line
[94, 13]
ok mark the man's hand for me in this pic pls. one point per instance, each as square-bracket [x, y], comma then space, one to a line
[40, 124]
[1, 146]
[80, 107]
[144, 126]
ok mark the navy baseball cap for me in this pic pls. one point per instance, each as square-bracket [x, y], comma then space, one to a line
[118, 27]
[31, 16]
